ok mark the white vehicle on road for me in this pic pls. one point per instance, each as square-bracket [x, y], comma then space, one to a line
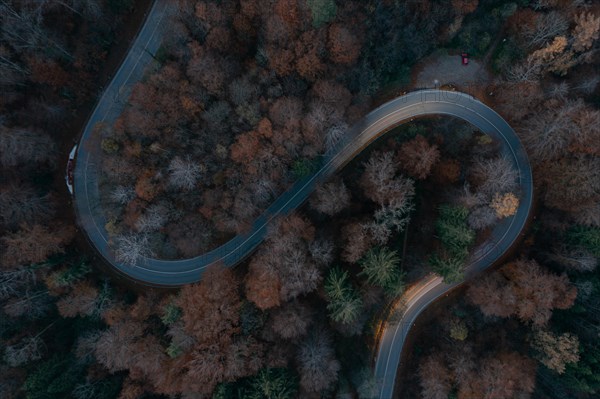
[70, 169]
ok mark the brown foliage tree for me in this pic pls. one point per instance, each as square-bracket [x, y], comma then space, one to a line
[289, 12]
[147, 186]
[560, 178]
[344, 47]
[447, 170]
[115, 347]
[245, 147]
[81, 301]
[308, 50]
[417, 157]
[211, 308]
[555, 351]
[435, 378]
[281, 60]
[464, 7]
[500, 376]
[210, 70]
[586, 31]
[522, 289]
[357, 241]
[47, 72]
[33, 244]
[263, 286]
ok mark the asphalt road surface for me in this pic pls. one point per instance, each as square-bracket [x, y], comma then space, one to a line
[376, 123]
[504, 235]
[400, 110]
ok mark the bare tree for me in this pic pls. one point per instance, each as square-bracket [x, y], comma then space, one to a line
[130, 249]
[155, 217]
[184, 173]
[334, 135]
[468, 198]
[526, 71]
[291, 321]
[559, 90]
[587, 84]
[122, 195]
[496, 176]
[482, 217]
[30, 305]
[330, 198]
[582, 172]
[546, 27]
[24, 351]
[547, 134]
[24, 146]
[321, 251]
[379, 171]
[24, 29]
[11, 73]
[388, 219]
[263, 190]
[242, 90]
[19, 203]
[90, 9]
[115, 347]
[367, 386]
[86, 344]
[578, 259]
[16, 282]
[588, 215]
[81, 301]
[283, 269]
[317, 363]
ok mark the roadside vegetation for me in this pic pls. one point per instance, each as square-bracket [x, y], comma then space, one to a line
[245, 98]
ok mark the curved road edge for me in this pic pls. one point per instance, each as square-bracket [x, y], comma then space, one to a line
[372, 126]
[375, 124]
[429, 289]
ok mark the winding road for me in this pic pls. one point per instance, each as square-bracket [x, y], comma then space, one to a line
[400, 110]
